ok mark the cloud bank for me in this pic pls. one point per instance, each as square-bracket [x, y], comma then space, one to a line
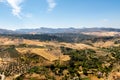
[51, 4]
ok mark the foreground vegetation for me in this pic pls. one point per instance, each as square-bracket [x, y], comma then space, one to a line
[83, 63]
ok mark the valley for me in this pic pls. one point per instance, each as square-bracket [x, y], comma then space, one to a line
[60, 56]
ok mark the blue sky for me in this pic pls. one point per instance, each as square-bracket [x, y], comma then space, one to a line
[16, 14]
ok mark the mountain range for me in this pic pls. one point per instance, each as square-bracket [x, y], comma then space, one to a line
[43, 30]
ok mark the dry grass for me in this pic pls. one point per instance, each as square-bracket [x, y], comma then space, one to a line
[102, 33]
[77, 45]
[95, 78]
[44, 53]
[104, 44]
[38, 51]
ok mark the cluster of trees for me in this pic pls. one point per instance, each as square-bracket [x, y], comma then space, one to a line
[88, 60]
[85, 58]
[114, 52]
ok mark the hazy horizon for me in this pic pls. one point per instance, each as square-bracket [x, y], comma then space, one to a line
[19, 14]
[58, 28]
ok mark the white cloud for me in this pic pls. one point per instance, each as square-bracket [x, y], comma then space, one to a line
[51, 4]
[16, 8]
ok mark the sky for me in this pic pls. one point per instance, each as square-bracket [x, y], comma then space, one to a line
[20, 14]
